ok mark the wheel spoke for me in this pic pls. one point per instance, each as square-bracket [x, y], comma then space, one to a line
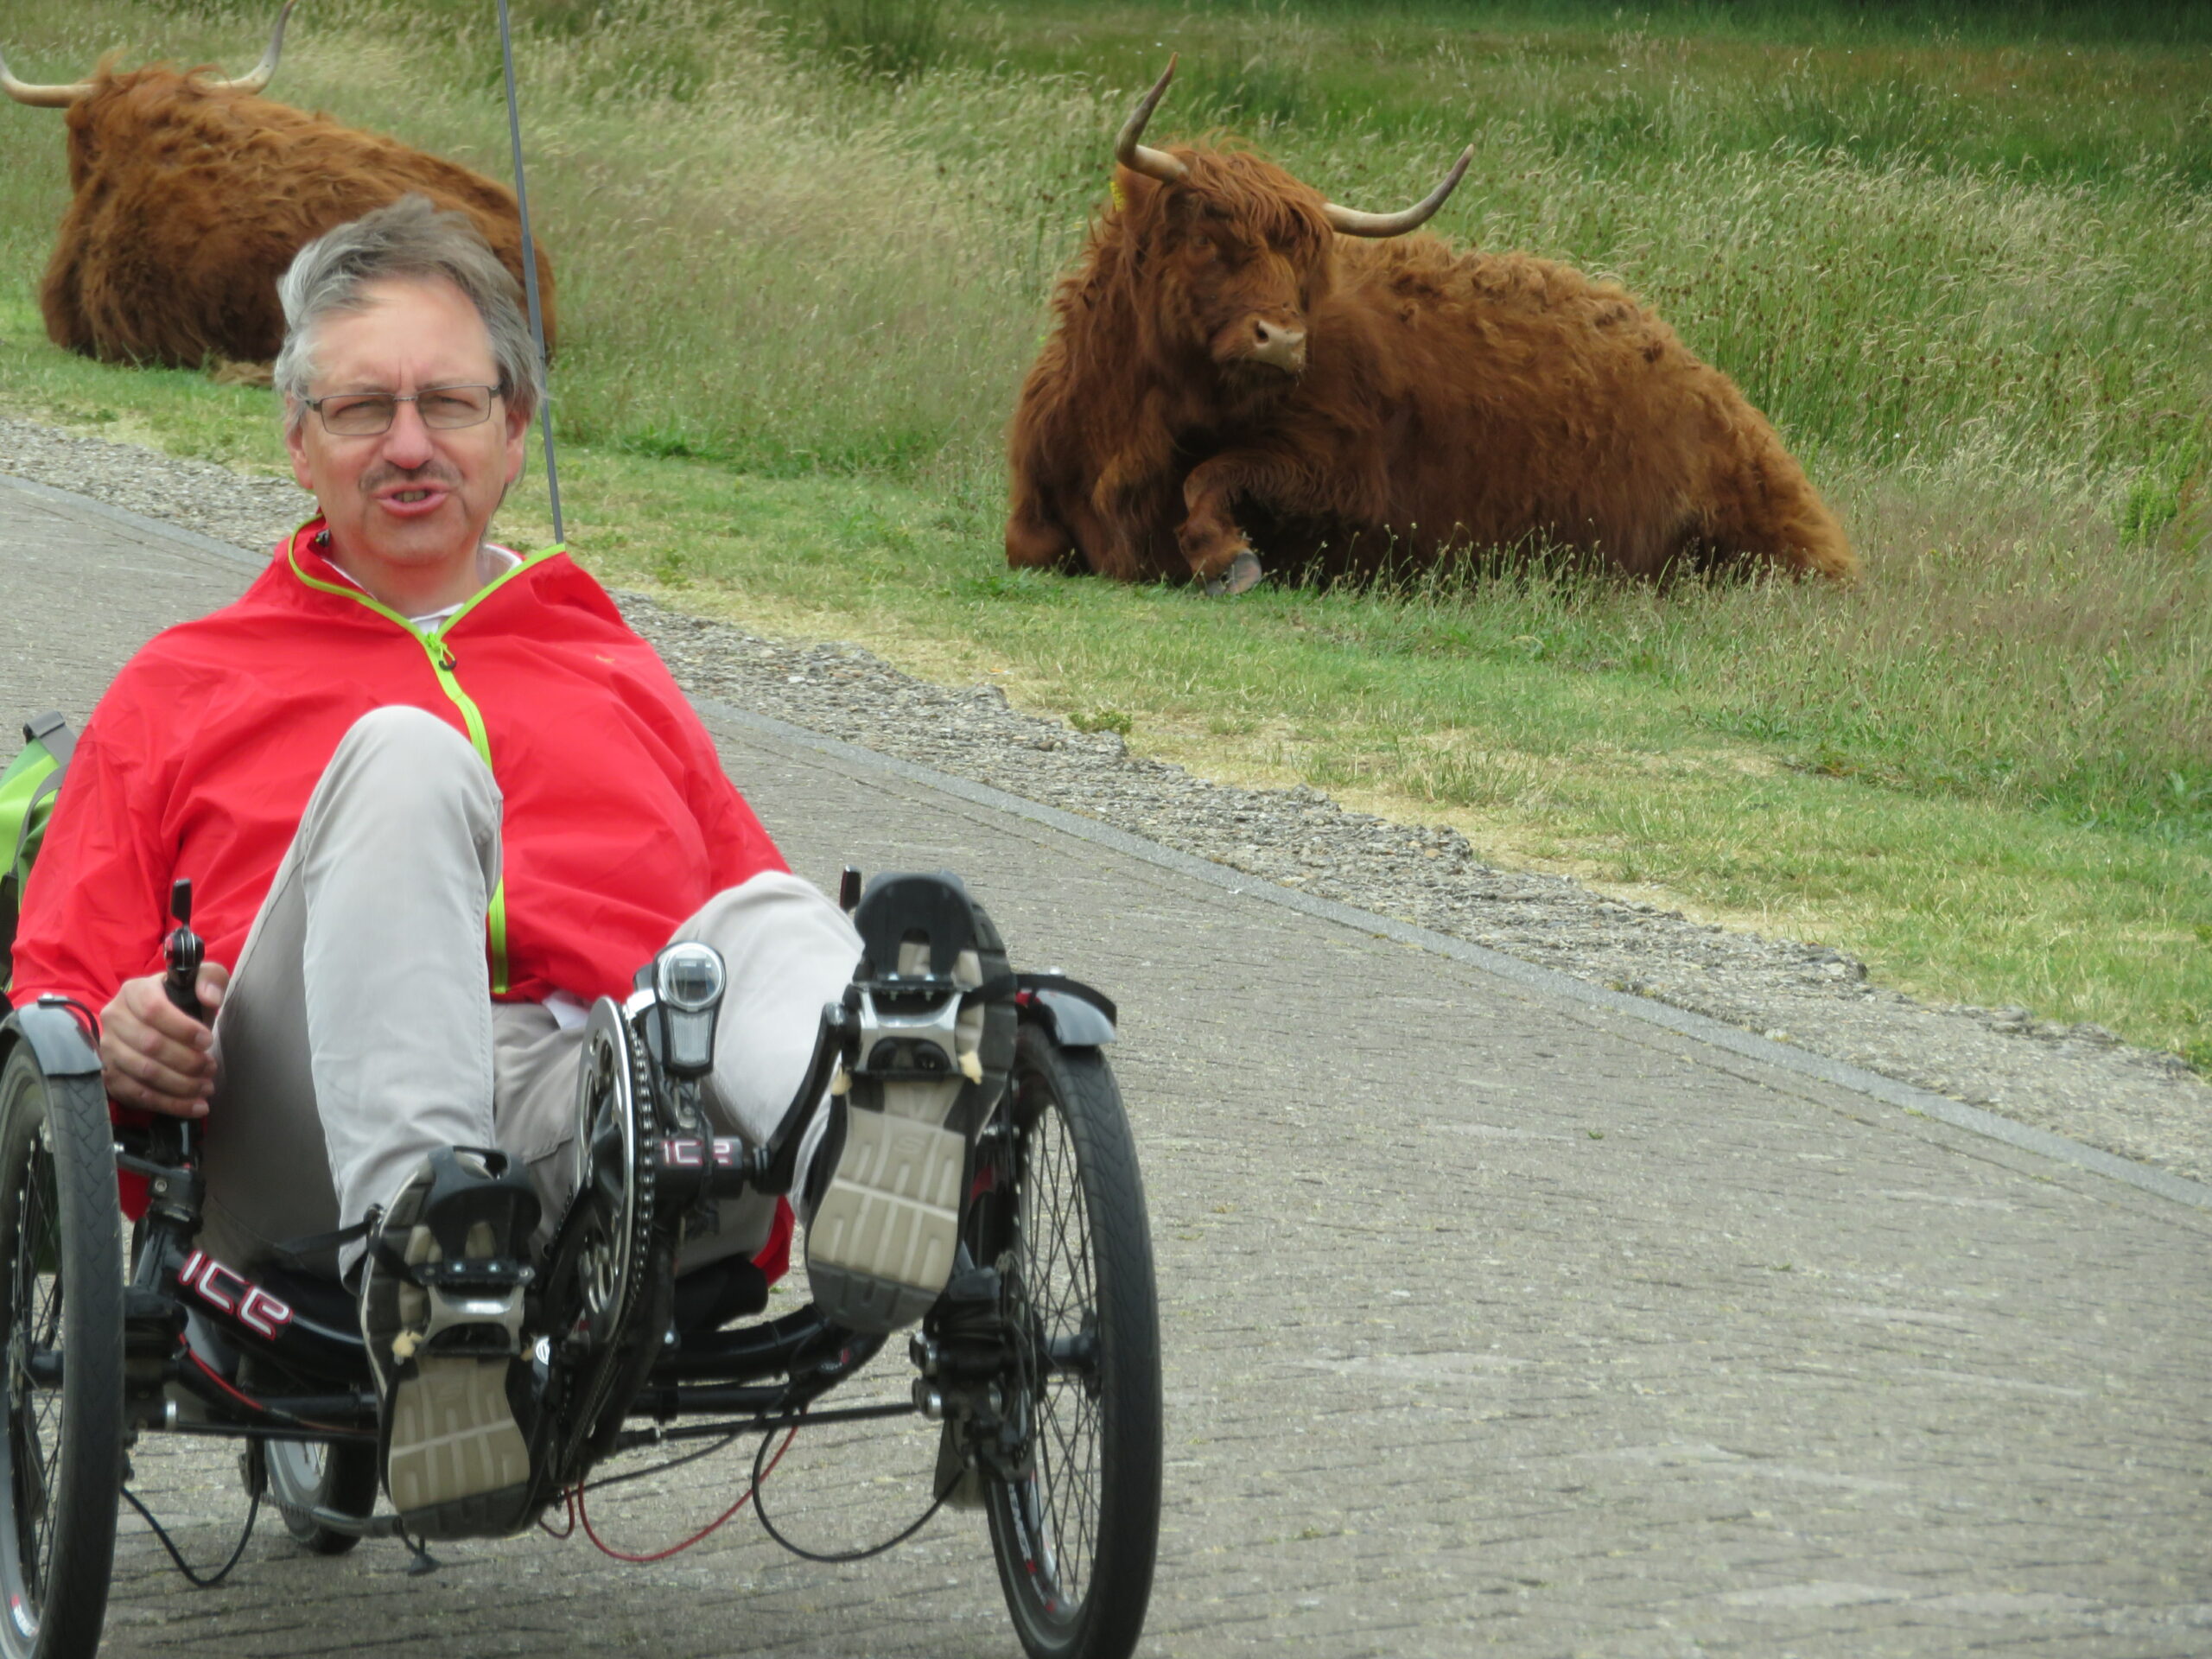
[1074, 1519]
[34, 1320]
[1055, 1251]
[1077, 1367]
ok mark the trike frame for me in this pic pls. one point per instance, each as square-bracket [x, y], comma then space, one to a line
[273, 1355]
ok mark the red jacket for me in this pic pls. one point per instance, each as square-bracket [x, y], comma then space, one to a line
[199, 761]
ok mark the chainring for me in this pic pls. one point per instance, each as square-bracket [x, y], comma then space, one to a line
[613, 1179]
[604, 1249]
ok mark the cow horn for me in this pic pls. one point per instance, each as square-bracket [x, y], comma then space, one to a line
[257, 77]
[1352, 222]
[42, 98]
[1142, 158]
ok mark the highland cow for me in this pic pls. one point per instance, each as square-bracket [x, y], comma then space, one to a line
[1240, 367]
[190, 194]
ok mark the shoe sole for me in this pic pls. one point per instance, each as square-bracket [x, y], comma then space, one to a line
[457, 1462]
[882, 1243]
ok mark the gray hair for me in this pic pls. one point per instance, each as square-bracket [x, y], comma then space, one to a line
[409, 239]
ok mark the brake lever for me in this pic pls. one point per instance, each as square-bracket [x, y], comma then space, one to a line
[186, 950]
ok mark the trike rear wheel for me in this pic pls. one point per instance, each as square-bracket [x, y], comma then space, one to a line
[61, 1317]
[1076, 1533]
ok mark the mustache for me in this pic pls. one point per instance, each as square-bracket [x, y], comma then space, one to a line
[430, 472]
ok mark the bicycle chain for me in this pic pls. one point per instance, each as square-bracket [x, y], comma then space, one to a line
[644, 1159]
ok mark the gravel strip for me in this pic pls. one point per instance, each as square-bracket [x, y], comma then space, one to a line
[2075, 1080]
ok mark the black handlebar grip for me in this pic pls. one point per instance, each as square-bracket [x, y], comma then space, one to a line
[186, 950]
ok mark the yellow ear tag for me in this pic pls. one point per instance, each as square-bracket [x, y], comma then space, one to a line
[1120, 200]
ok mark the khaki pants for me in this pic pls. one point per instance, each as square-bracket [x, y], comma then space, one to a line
[360, 1032]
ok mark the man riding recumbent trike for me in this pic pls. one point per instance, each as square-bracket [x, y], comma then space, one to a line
[437, 1193]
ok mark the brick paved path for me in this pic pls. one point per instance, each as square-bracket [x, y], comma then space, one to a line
[1491, 1321]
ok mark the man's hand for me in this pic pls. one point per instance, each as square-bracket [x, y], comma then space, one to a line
[154, 1055]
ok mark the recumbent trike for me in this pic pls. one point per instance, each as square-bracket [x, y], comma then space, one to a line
[1040, 1359]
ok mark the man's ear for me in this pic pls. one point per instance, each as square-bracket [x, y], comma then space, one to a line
[295, 442]
[517, 430]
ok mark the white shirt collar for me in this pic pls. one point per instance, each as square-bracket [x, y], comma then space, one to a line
[504, 558]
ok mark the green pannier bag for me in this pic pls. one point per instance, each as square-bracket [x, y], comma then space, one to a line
[26, 792]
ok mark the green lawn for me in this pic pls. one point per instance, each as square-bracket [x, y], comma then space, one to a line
[1962, 255]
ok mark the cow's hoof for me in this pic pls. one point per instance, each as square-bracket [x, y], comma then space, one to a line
[1243, 576]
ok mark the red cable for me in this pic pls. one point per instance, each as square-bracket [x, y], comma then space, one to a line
[744, 1498]
[252, 1404]
[568, 1497]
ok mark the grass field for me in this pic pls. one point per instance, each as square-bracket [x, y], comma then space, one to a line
[1962, 254]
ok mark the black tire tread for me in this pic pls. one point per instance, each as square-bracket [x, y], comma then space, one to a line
[1118, 1591]
[90, 1459]
[348, 1485]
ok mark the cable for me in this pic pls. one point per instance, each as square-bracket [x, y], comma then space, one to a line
[722, 1445]
[176, 1555]
[760, 1515]
[250, 1404]
[744, 1498]
[85, 1016]
[569, 1498]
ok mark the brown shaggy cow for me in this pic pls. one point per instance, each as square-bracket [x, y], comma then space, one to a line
[1234, 362]
[191, 195]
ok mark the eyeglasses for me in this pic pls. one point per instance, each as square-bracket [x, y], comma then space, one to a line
[365, 414]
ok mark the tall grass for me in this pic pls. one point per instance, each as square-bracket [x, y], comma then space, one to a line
[1997, 657]
[768, 260]
[1994, 23]
[898, 38]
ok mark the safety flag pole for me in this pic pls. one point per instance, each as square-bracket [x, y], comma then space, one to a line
[530, 269]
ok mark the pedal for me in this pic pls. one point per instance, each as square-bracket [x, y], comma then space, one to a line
[460, 1200]
[932, 996]
[932, 1024]
[441, 1313]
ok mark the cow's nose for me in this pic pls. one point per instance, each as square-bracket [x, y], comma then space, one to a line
[1279, 347]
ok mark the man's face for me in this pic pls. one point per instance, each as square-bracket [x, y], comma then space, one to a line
[414, 501]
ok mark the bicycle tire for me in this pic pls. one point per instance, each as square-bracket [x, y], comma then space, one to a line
[61, 1292]
[1076, 1537]
[309, 1475]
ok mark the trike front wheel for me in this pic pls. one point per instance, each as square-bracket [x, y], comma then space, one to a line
[61, 1317]
[1075, 1529]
